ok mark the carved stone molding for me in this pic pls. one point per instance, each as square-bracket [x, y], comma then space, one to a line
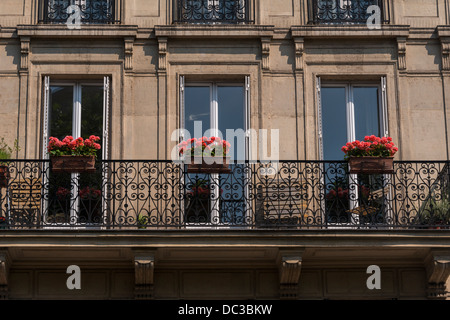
[401, 51]
[265, 51]
[144, 266]
[4, 273]
[129, 42]
[162, 50]
[445, 45]
[290, 264]
[438, 271]
[24, 51]
[299, 49]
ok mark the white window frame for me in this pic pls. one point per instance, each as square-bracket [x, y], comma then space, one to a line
[350, 117]
[213, 85]
[76, 132]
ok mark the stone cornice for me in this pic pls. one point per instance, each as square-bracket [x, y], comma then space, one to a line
[349, 31]
[342, 238]
[61, 31]
[214, 31]
[443, 31]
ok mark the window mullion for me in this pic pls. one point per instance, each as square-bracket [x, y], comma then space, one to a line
[351, 126]
[214, 110]
[76, 125]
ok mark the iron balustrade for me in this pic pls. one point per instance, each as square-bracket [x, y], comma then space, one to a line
[90, 11]
[136, 195]
[346, 11]
[214, 11]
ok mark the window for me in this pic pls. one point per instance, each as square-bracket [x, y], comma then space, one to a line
[343, 11]
[216, 109]
[348, 112]
[90, 11]
[75, 109]
[213, 11]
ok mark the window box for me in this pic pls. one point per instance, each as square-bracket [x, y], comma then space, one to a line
[75, 164]
[371, 165]
[209, 165]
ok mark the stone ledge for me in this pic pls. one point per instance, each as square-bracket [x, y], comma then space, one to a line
[87, 31]
[220, 238]
[349, 31]
[214, 31]
[443, 31]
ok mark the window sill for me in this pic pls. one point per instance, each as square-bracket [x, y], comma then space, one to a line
[350, 31]
[214, 31]
[49, 31]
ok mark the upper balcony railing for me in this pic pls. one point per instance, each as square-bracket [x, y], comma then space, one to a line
[82, 11]
[299, 195]
[214, 11]
[347, 11]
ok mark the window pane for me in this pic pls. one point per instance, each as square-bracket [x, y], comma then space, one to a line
[61, 111]
[231, 117]
[91, 111]
[367, 116]
[197, 107]
[334, 123]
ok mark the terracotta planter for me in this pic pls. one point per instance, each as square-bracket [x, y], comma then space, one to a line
[207, 165]
[4, 176]
[371, 165]
[73, 164]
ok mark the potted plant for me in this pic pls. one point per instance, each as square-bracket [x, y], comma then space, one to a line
[199, 203]
[206, 155]
[5, 154]
[2, 223]
[90, 204]
[435, 214]
[374, 155]
[142, 221]
[73, 155]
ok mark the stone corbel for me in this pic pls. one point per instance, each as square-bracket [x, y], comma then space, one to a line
[401, 51]
[129, 42]
[4, 274]
[265, 51]
[144, 265]
[162, 50]
[445, 45]
[438, 271]
[25, 51]
[290, 264]
[299, 49]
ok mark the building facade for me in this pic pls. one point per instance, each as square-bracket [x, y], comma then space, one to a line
[312, 74]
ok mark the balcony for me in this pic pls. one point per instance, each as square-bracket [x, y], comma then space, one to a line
[214, 11]
[87, 11]
[300, 195]
[346, 11]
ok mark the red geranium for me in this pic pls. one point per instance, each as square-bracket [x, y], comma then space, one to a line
[74, 147]
[204, 146]
[372, 146]
[90, 193]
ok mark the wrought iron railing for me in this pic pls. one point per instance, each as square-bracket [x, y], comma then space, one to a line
[163, 195]
[347, 11]
[86, 11]
[214, 11]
